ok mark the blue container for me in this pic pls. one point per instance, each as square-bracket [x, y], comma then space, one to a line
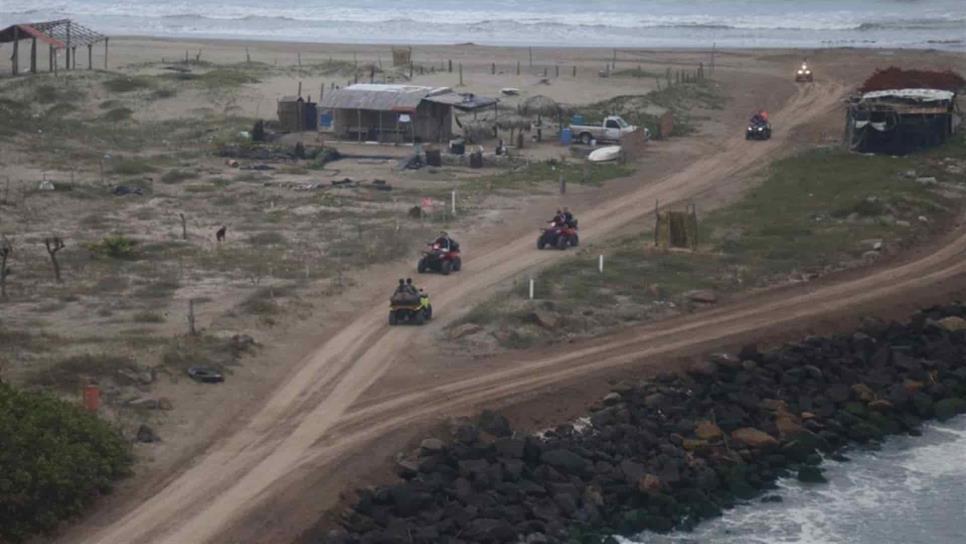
[325, 119]
[566, 136]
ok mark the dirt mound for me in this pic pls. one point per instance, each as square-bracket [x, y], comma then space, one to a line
[897, 78]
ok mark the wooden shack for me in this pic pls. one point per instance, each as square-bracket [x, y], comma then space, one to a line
[900, 121]
[390, 113]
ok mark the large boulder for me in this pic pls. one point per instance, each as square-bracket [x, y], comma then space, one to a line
[706, 430]
[753, 438]
[564, 460]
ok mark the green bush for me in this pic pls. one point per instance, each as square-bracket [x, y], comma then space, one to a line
[115, 247]
[55, 460]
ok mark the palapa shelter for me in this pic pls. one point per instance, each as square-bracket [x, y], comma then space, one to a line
[61, 34]
[397, 113]
[899, 121]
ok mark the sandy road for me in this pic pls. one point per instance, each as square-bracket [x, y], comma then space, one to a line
[237, 473]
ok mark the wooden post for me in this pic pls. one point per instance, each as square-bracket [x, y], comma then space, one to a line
[493, 68]
[73, 58]
[300, 90]
[33, 56]
[90, 56]
[614, 62]
[15, 59]
[450, 66]
[105, 53]
[67, 49]
[518, 67]
[461, 74]
[714, 46]
[359, 125]
[575, 71]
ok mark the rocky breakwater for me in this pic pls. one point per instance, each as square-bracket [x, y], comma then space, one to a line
[667, 453]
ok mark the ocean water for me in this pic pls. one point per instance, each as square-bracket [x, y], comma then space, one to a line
[911, 491]
[939, 24]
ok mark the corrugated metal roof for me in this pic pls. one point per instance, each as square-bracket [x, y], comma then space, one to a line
[378, 97]
[465, 101]
[919, 95]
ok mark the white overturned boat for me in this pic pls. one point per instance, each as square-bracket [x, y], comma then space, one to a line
[604, 154]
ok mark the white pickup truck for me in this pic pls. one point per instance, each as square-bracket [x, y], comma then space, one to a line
[611, 129]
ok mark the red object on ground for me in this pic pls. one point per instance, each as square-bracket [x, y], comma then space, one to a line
[92, 398]
[897, 78]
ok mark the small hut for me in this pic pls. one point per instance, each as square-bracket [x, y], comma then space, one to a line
[900, 121]
[397, 113]
[295, 114]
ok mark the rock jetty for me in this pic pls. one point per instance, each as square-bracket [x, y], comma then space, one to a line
[670, 452]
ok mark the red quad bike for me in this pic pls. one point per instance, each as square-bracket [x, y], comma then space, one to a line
[558, 235]
[439, 259]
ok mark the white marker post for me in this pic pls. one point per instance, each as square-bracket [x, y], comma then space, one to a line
[531, 288]
[600, 264]
[453, 202]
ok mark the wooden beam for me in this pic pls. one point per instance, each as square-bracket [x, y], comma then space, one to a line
[15, 59]
[105, 53]
[90, 56]
[33, 56]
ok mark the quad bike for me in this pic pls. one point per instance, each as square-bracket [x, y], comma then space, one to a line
[410, 309]
[558, 235]
[758, 131]
[439, 259]
[804, 74]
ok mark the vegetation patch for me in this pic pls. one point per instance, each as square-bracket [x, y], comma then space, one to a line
[55, 461]
[68, 374]
[126, 84]
[817, 212]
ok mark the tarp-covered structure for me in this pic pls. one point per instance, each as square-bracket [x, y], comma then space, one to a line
[900, 121]
[60, 34]
[397, 113]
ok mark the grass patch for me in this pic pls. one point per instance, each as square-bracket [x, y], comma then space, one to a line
[126, 84]
[641, 110]
[177, 176]
[815, 212]
[147, 316]
[70, 373]
[117, 115]
[133, 166]
[201, 188]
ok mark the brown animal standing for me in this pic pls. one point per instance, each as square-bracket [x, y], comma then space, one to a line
[220, 233]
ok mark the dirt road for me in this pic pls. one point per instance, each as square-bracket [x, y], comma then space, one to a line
[240, 472]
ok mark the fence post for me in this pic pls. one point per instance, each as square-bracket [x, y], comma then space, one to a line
[600, 264]
[453, 202]
[531, 288]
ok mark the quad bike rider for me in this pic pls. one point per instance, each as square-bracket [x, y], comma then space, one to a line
[560, 232]
[409, 305]
[804, 73]
[442, 255]
[758, 127]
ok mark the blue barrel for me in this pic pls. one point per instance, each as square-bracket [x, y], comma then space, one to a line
[566, 135]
